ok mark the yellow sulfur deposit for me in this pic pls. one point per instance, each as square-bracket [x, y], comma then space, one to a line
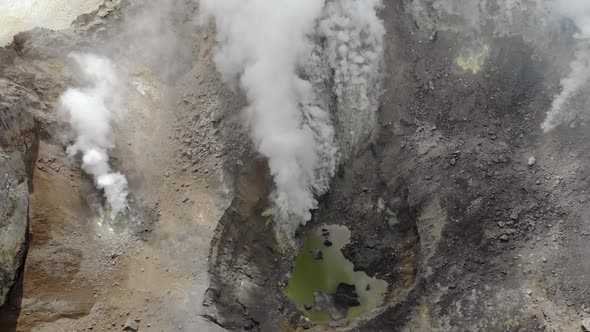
[473, 63]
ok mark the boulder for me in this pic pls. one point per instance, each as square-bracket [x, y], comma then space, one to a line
[346, 296]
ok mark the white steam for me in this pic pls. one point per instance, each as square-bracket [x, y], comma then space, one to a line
[91, 111]
[579, 12]
[534, 20]
[354, 40]
[474, 18]
[264, 45]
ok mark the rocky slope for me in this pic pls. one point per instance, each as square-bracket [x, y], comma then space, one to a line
[79, 273]
[461, 203]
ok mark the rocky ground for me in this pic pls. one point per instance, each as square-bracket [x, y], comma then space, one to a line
[79, 275]
[475, 218]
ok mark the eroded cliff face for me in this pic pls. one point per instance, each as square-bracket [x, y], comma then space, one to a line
[18, 148]
[14, 198]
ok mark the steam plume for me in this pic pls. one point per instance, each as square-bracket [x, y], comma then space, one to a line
[154, 35]
[474, 19]
[262, 44]
[534, 20]
[579, 12]
[354, 40]
[91, 111]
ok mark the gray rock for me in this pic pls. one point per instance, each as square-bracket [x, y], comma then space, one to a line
[131, 325]
[17, 145]
[532, 161]
[346, 296]
[325, 302]
[14, 203]
[586, 324]
[318, 255]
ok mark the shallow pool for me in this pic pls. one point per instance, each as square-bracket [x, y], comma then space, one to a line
[322, 273]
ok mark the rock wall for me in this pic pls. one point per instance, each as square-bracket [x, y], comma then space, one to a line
[17, 147]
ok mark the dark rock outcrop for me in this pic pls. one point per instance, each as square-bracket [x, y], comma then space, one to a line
[17, 149]
[346, 296]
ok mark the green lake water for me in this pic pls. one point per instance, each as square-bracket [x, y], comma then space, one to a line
[312, 275]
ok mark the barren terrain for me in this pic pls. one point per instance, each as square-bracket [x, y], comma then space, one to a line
[475, 218]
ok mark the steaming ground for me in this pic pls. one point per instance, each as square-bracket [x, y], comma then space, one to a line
[82, 274]
[463, 203]
[474, 215]
[354, 37]
[261, 48]
[563, 110]
[505, 18]
[92, 112]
